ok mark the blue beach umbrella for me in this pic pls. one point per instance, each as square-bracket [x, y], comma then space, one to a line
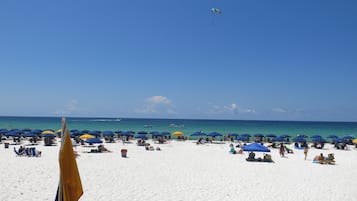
[233, 134]
[245, 135]
[278, 139]
[26, 130]
[349, 137]
[157, 134]
[316, 136]
[108, 134]
[3, 131]
[198, 134]
[142, 132]
[12, 134]
[141, 136]
[94, 140]
[118, 132]
[258, 135]
[270, 135]
[299, 139]
[214, 134]
[85, 131]
[166, 133]
[28, 134]
[332, 136]
[255, 147]
[127, 134]
[319, 140]
[339, 140]
[242, 138]
[285, 136]
[49, 135]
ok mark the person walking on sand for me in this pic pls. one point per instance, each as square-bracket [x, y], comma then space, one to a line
[281, 150]
[306, 149]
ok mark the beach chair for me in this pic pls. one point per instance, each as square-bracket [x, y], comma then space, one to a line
[34, 152]
[17, 153]
[28, 152]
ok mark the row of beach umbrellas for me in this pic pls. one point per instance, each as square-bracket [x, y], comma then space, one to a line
[243, 137]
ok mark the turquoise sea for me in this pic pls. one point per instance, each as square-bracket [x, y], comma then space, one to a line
[187, 126]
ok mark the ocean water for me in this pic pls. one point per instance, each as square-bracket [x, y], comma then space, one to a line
[187, 126]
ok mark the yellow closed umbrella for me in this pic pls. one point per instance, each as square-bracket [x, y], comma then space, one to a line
[86, 136]
[177, 133]
[354, 141]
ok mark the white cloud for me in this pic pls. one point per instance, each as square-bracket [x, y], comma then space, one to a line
[230, 109]
[157, 105]
[279, 110]
[70, 107]
[158, 100]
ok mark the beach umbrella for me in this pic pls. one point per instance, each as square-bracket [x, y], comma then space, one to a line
[278, 139]
[28, 134]
[339, 140]
[166, 133]
[157, 134]
[86, 136]
[74, 130]
[131, 132]
[258, 135]
[299, 139]
[320, 140]
[26, 130]
[316, 136]
[354, 141]
[214, 134]
[245, 135]
[285, 136]
[49, 135]
[12, 134]
[198, 133]
[255, 147]
[233, 134]
[142, 132]
[270, 135]
[84, 131]
[94, 140]
[349, 137]
[3, 131]
[177, 133]
[128, 133]
[242, 138]
[48, 132]
[37, 131]
[332, 136]
[118, 132]
[108, 133]
[303, 136]
[141, 136]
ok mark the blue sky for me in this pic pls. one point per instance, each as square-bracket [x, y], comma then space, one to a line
[259, 60]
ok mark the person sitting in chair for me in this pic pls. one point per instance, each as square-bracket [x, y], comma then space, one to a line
[251, 156]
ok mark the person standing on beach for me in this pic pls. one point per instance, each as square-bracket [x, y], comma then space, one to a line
[282, 150]
[306, 149]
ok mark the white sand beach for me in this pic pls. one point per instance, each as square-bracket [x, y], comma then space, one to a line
[181, 171]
